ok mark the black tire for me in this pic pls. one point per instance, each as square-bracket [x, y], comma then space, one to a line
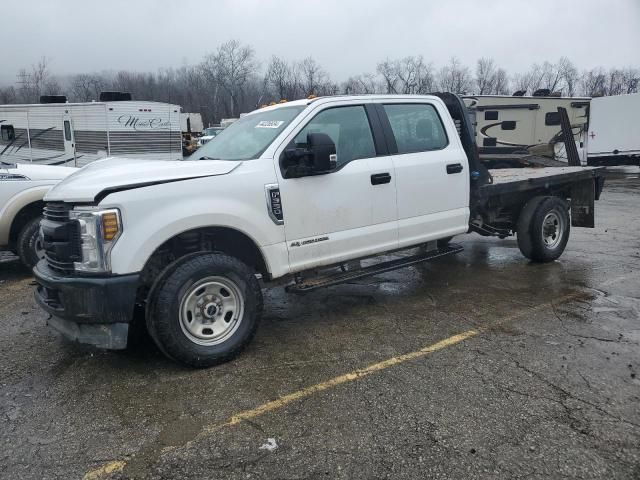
[543, 229]
[28, 243]
[166, 319]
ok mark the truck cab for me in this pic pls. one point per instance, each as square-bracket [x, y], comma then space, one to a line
[298, 192]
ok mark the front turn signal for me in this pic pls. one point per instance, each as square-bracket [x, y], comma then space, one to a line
[110, 226]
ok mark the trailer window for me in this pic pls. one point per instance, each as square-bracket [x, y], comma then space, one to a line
[508, 125]
[552, 118]
[8, 133]
[416, 127]
[491, 115]
[67, 130]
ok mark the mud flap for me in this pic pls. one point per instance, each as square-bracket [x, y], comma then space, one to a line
[583, 195]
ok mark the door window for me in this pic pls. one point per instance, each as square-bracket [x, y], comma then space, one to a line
[67, 130]
[416, 127]
[349, 129]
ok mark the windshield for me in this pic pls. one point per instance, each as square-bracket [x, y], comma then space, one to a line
[248, 137]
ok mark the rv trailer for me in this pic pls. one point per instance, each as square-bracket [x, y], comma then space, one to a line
[613, 133]
[511, 125]
[74, 134]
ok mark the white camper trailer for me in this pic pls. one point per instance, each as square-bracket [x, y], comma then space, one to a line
[613, 134]
[519, 124]
[75, 134]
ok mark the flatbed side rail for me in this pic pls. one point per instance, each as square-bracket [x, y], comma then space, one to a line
[517, 180]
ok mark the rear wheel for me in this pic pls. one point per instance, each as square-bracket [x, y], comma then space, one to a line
[29, 244]
[205, 310]
[543, 228]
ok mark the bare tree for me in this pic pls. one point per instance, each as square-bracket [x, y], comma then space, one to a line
[408, 75]
[415, 76]
[631, 79]
[501, 85]
[313, 78]
[361, 84]
[551, 77]
[36, 82]
[485, 76]
[282, 79]
[531, 80]
[86, 87]
[8, 95]
[455, 77]
[593, 83]
[569, 75]
[387, 71]
[233, 65]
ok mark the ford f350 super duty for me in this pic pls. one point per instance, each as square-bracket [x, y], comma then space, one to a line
[303, 193]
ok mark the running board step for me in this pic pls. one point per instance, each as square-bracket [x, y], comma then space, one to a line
[342, 277]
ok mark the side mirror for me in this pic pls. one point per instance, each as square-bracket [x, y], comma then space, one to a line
[319, 157]
[322, 151]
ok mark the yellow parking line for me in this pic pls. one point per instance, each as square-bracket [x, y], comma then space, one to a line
[118, 466]
[376, 367]
[112, 467]
[334, 382]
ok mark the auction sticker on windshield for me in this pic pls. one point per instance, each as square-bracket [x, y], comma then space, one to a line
[269, 124]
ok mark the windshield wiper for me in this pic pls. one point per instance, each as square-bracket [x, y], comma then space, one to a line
[209, 158]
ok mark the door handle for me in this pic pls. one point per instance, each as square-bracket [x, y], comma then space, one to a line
[454, 168]
[380, 178]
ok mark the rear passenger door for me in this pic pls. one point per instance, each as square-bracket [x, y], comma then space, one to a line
[431, 168]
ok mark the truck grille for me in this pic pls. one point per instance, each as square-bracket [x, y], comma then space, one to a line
[61, 237]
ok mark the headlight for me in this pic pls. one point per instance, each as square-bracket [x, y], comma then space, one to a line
[99, 231]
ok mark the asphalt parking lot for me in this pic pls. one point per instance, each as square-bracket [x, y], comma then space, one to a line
[478, 366]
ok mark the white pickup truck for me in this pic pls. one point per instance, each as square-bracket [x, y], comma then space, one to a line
[22, 188]
[305, 193]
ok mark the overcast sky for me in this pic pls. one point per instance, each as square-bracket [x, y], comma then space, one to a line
[346, 36]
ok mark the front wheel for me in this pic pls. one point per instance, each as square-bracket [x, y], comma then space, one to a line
[543, 229]
[205, 310]
[29, 244]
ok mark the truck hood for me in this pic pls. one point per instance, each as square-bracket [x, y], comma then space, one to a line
[36, 172]
[117, 174]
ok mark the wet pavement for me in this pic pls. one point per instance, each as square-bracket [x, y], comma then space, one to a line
[545, 385]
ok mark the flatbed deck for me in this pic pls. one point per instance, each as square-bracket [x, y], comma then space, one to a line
[508, 180]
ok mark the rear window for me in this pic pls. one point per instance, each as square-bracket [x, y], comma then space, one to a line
[417, 127]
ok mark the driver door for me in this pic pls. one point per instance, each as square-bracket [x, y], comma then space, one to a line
[349, 212]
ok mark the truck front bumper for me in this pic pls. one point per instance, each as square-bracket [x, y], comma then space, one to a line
[90, 310]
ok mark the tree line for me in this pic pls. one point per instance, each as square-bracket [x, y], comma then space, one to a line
[232, 80]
